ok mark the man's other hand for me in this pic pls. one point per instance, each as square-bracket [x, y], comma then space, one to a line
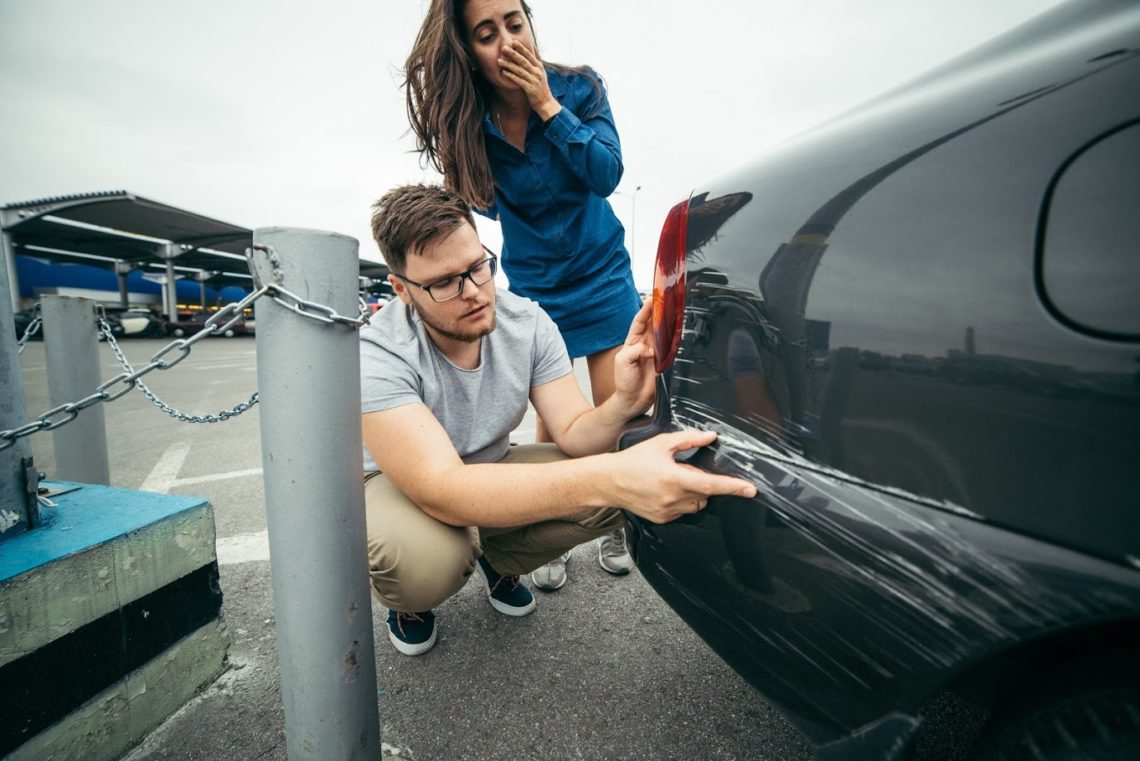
[634, 374]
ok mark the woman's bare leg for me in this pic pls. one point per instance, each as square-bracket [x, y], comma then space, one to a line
[541, 435]
[611, 548]
[601, 367]
[612, 553]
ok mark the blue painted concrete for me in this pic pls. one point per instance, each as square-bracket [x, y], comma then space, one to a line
[83, 518]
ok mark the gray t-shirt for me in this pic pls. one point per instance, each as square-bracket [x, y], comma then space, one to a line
[478, 408]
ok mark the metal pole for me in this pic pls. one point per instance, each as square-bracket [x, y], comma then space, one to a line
[632, 223]
[308, 375]
[12, 277]
[17, 506]
[122, 269]
[71, 353]
[633, 227]
[171, 292]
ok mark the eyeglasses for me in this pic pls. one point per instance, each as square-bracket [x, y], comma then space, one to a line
[449, 287]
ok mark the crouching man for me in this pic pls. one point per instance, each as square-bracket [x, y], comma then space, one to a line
[447, 371]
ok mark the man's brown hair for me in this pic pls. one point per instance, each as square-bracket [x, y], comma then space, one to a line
[408, 218]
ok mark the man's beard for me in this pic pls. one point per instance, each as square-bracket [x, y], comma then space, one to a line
[467, 336]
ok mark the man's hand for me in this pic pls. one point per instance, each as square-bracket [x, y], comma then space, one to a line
[651, 484]
[634, 374]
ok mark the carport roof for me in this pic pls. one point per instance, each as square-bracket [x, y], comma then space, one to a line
[118, 225]
[122, 226]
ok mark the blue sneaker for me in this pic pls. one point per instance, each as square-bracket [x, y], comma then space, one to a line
[506, 593]
[412, 633]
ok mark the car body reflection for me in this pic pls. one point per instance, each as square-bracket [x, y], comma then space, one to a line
[949, 499]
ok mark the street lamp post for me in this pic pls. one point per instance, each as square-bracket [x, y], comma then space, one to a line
[632, 220]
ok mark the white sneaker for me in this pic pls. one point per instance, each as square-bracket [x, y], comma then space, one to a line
[551, 576]
[612, 553]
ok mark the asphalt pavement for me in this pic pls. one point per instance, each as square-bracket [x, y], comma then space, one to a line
[603, 669]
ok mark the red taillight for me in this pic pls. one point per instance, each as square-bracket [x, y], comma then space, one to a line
[669, 286]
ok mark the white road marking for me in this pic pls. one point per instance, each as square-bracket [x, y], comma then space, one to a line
[244, 548]
[165, 471]
[215, 477]
[224, 366]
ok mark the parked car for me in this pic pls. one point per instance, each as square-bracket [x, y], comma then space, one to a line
[136, 322]
[917, 330]
[189, 325]
[23, 319]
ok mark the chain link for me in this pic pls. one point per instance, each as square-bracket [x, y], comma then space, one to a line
[312, 310]
[218, 323]
[131, 378]
[32, 328]
[365, 310]
[291, 301]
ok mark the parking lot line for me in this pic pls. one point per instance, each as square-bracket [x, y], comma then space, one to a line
[243, 548]
[165, 471]
[215, 477]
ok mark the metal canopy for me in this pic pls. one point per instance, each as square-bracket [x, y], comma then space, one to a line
[123, 226]
[130, 214]
[129, 232]
[46, 233]
[132, 232]
[57, 242]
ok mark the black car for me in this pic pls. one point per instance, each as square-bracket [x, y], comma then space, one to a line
[24, 320]
[136, 322]
[28, 318]
[916, 329]
[195, 323]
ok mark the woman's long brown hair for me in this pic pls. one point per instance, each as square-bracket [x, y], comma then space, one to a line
[446, 99]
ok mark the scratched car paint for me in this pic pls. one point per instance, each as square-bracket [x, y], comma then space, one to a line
[917, 330]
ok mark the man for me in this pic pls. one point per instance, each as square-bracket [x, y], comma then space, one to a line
[447, 370]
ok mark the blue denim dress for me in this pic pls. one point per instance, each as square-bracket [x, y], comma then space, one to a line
[563, 245]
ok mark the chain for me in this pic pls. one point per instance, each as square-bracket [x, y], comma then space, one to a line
[312, 310]
[219, 322]
[210, 327]
[31, 330]
[128, 380]
[292, 301]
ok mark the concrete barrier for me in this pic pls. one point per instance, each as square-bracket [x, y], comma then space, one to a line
[110, 620]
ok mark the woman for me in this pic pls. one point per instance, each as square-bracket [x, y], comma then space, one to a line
[533, 145]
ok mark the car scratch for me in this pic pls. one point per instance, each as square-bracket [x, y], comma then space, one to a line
[930, 590]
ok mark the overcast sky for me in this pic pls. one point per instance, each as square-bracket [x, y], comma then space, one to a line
[290, 113]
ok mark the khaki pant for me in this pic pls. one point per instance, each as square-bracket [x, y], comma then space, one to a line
[417, 562]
